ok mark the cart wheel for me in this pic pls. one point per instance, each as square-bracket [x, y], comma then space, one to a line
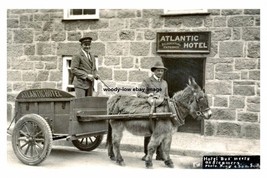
[32, 139]
[88, 143]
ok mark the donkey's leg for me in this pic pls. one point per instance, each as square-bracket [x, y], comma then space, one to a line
[116, 140]
[152, 146]
[166, 146]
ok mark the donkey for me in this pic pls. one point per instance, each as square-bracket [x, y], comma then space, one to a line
[192, 100]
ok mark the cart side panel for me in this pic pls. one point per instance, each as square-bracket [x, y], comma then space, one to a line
[94, 105]
[51, 104]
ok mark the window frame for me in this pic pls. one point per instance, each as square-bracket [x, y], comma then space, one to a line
[65, 74]
[68, 16]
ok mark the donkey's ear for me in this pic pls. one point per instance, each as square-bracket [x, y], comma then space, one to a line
[204, 90]
[191, 81]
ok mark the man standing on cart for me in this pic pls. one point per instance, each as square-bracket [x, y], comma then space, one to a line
[83, 68]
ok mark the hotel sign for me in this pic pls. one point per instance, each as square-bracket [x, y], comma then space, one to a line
[183, 42]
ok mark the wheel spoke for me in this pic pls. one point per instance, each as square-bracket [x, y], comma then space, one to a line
[27, 149]
[36, 150]
[37, 134]
[91, 139]
[23, 133]
[38, 145]
[24, 145]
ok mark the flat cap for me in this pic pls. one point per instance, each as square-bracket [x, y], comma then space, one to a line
[85, 39]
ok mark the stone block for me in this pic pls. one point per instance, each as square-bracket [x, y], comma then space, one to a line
[23, 36]
[139, 48]
[45, 48]
[126, 13]
[74, 36]
[83, 25]
[152, 13]
[42, 36]
[227, 12]
[240, 21]
[139, 23]
[221, 34]
[150, 35]
[230, 129]
[55, 76]
[252, 107]
[209, 128]
[48, 26]
[127, 62]
[223, 114]
[220, 101]
[14, 76]
[236, 33]
[247, 117]
[226, 67]
[244, 90]
[29, 76]
[120, 75]
[107, 13]
[50, 65]
[29, 49]
[252, 11]
[111, 61]
[100, 24]
[117, 48]
[244, 64]
[48, 85]
[108, 36]
[19, 86]
[127, 35]
[254, 75]
[251, 34]
[137, 76]
[12, 23]
[219, 87]
[227, 76]
[231, 49]
[105, 73]
[98, 49]
[251, 131]
[148, 62]
[117, 24]
[209, 71]
[219, 21]
[42, 75]
[58, 36]
[41, 17]
[68, 48]
[253, 50]
[157, 23]
[236, 102]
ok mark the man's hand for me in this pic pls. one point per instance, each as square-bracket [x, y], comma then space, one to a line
[90, 77]
[96, 76]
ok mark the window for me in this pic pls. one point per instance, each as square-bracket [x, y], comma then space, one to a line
[77, 14]
[185, 12]
[67, 75]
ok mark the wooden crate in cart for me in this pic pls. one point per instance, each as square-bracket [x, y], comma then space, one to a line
[44, 115]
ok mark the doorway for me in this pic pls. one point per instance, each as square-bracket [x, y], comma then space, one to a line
[179, 70]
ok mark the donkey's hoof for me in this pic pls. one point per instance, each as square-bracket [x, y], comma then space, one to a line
[169, 163]
[121, 163]
[112, 158]
[149, 164]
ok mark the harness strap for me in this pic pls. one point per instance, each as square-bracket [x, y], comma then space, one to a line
[151, 120]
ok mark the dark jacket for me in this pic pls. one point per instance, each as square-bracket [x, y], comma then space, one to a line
[151, 85]
[81, 66]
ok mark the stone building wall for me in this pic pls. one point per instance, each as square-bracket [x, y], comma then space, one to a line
[125, 42]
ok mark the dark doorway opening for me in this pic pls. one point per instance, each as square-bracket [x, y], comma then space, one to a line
[179, 70]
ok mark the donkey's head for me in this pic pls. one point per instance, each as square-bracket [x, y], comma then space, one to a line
[198, 103]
